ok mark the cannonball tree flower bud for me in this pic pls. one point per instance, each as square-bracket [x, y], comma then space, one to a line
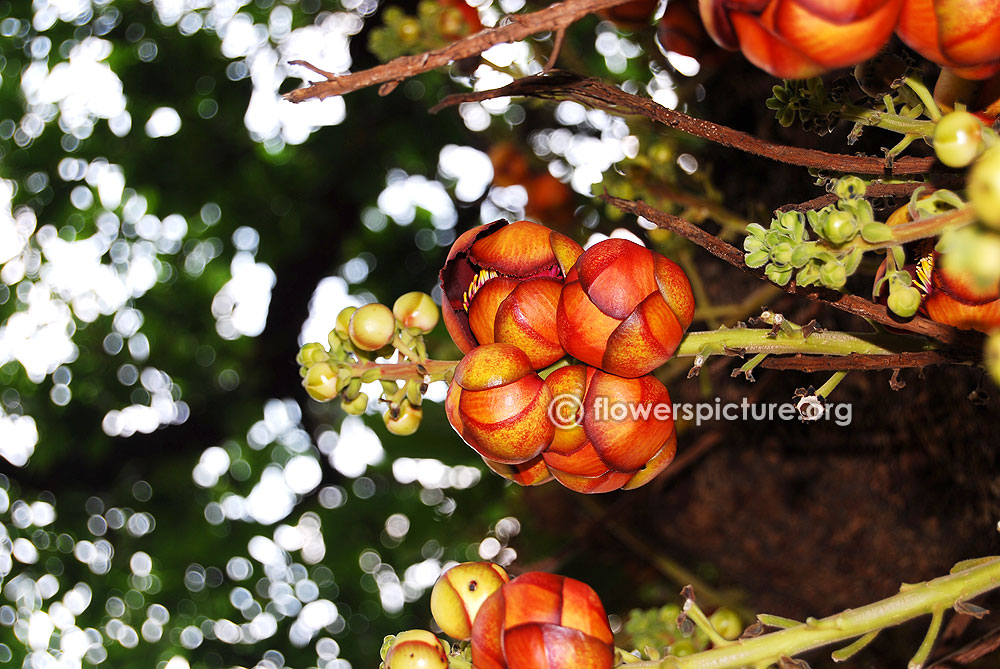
[963, 35]
[904, 301]
[460, 591]
[372, 327]
[984, 187]
[499, 405]
[958, 138]
[796, 39]
[404, 420]
[954, 298]
[620, 436]
[416, 310]
[542, 621]
[624, 308]
[531, 473]
[343, 325]
[416, 649]
[484, 267]
[321, 382]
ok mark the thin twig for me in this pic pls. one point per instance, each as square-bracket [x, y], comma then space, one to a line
[970, 653]
[555, 17]
[970, 341]
[600, 95]
[556, 48]
[816, 363]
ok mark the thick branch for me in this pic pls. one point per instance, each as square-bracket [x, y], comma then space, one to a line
[854, 304]
[555, 17]
[599, 95]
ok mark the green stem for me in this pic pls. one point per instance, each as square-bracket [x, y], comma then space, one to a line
[828, 387]
[922, 228]
[911, 602]
[893, 122]
[925, 96]
[932, 634]
[759, 340]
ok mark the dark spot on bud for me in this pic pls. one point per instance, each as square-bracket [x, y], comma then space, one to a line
[473, 585]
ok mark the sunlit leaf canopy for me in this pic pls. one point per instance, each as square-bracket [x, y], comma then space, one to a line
[170, 232]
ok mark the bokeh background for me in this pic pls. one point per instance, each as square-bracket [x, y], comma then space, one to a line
[171, 232]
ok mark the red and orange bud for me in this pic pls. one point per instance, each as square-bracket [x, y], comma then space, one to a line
[530, 473]
[499, 405]
[484, 267]
[963, 35]
[795, 39]
[624, 308]
[416, 649]
[545, 621]
[622, 436]
[460, 591]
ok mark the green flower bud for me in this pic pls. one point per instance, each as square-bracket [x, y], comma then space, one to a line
[356, 406]
[321, 382]
[802, 254]
[849, 188]
[751, 244]
[682, 648]
[984, 187]
[958, 138]
[727, 623]
[840, 227]
[852, 261]
[311, 354]
[833, 275]
[781, 254]
[789, 221]
[756, 230]
[779, 275]
[344, 321]
[757, 258]
[808, 275]
[904, 302]
[372, 327]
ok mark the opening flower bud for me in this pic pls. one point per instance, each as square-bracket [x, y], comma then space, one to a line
[416, 649]
[372, 327]
[311, 354]
[321, 382]
[416, 310]
[460, 591]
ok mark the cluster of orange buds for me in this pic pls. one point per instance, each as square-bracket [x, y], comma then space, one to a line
[795, 39]
[517, 299]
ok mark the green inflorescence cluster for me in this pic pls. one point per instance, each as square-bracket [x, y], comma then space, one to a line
[435, 25]
[655, 632]
[805, 99]
[786, 249]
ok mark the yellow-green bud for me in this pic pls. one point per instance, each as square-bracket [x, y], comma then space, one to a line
[849, 188]
[726, 621]
[904, 302]
[312, 353]
[984, 187]
[355, 407]
[372, 327]
[416, 649]
[321, 382]
[958, 138]
[344, 321]
[406, 420]
[416, 310]
[460, 591]
[840, 227]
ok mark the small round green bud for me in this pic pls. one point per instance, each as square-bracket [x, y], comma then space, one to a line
[780, 275]
[408, 30]
[833, 275]
[416, 310]
[405, 421]
[683, 648]
[372, 327]
[355, 407]
[904, 302]
[344, 321]
[782, 253]
[416, 649]
[727, 623]
[958, 138]
[984, 187]
[849, 188]
[757, 258]
[321, 382]
[310, 354]
[840, 227]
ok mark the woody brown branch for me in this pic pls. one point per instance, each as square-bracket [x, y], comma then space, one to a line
[556, 17]
[968, 341]
[597, 94]
[854, 361]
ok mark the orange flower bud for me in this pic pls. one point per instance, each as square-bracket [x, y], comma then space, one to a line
[621, 441]
[960, 34]
[530, 473]
[499, 405]
[624, 308]
[795, 39]
[460, 591]
[954, 299]
[484, 267]
[545, 621]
